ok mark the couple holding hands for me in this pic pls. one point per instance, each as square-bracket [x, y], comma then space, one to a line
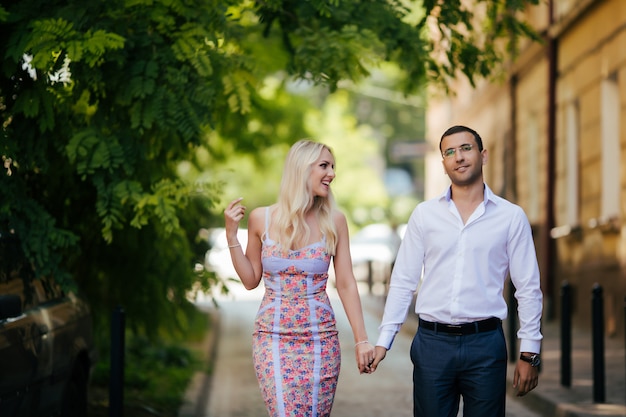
[462, 246]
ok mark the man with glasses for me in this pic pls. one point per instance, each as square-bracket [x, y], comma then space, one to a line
[462, 246]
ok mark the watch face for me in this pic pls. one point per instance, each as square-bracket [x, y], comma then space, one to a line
[534, 360]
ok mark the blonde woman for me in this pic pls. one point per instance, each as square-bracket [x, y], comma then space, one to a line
[290, 245]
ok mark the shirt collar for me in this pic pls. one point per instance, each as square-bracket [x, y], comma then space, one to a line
[488, 195]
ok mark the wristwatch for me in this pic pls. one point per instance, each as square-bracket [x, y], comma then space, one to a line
[533, 359]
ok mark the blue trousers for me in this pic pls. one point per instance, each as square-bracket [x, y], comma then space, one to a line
[446, 367]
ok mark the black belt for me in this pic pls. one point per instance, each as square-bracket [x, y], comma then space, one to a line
[463, 329]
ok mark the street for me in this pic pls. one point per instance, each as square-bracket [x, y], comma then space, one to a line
[234, 391]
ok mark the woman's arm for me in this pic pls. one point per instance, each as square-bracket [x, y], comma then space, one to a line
[349, 294]
[248, 264]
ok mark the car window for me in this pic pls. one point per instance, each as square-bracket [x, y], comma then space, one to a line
[13, 284]
[47, 290]
[18, 277]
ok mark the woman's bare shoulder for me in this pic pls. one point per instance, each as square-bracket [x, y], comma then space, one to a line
[257, 216]
[256, 222]
[258, 211]
[338, 216]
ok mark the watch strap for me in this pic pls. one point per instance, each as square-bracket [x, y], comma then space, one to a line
[533, 359]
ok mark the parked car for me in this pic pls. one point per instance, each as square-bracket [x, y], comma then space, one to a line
[46, 342]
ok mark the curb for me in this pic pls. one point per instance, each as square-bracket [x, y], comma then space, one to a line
[196, 397]
[550, 403]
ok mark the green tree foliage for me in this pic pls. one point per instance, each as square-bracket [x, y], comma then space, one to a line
[101, 102]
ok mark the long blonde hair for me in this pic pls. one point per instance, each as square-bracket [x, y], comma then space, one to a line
[296, 199]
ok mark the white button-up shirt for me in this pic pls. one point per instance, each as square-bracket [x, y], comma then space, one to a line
[461, 268]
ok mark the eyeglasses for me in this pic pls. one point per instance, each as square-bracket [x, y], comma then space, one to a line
[450, 152]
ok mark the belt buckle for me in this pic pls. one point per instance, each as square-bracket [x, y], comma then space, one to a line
[457, 327]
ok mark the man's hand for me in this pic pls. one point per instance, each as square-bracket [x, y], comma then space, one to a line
[525, 377]
[381, 352]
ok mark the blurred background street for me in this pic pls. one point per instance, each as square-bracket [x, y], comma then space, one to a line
[388, 392]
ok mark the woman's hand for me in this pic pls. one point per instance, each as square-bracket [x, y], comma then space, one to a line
[365, 354]
[381, 352]
[233, 214]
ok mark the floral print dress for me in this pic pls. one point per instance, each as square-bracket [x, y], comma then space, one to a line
[295, 343]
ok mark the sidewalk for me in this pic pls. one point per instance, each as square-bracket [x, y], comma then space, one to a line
[550, 398]
[362, 395]
[577, 400]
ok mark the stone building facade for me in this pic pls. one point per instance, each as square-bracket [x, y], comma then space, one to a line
[555, 130]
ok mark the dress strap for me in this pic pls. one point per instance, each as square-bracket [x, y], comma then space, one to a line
[267, 221]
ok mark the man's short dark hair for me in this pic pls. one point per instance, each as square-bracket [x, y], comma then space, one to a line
[458, 129]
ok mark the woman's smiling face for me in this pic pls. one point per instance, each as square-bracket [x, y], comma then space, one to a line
[322, 174]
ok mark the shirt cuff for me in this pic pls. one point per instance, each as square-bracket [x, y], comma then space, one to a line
[385, 339]
[533, 346]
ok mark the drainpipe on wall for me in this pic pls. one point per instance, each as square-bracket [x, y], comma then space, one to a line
[548, 244]
[510, 185]
[510, 193]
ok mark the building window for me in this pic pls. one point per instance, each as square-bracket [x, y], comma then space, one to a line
[610, 148]
[572, 138]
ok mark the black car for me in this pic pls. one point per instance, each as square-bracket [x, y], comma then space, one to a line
[46, 342]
